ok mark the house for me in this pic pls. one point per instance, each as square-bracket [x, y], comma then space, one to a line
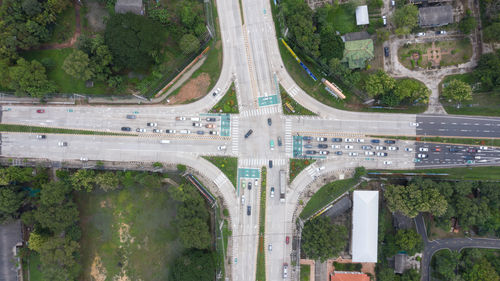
[357, 52]
[435, 16]
[353, 36]
[365, 226]
[362, 15]
[129, 6]
[400, 264]
[349, 276]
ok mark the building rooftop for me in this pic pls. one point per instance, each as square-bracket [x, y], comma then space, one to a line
[400, 263]
[132, 6]
[362, 15]
[353, 36]
[357, 52]
[365, 226]
[348, 276]
[435, 16]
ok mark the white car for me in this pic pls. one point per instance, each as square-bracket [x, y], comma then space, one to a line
[170, 131]
[157, 131]
[180, 118]
[349, 140]
[360, 140]
[221, 147]
[151, 124]
[324, 152]
[408, 149]
[335, 146]
[414, 124]
[387, 162]
[256, 182]
[380, 147]
[381, 154]
[321, 139]
[422, 155]
[62, 143]
[84, 159]
[421, 34]
[393, 148]
[349, 147]
[423, 149]
[140, 130]
[242, 199]
[195, 124]
[483, 148]
[367, 153]
[213, 132]
[353, 154]
[272, 192]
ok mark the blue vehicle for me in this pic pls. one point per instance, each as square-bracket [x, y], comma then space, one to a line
[336, 139]
[390, 141]
[375, 141]
[307, 138]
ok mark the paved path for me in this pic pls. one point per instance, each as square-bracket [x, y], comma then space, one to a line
[454, 244]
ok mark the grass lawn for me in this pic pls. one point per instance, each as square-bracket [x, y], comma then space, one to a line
[228, 103]
[297, 165]
[298, 109]
[452, 52]
[35, 129]
[342, 19]
[482, 103]
[34, 264]
[326, 194]
[64, 27]
[65, 83]
[261, 255]
[305, 272]
[461, 173]
[130, 232]
[228, 165]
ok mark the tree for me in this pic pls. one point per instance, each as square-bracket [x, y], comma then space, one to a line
[412, 199]
[100, 57]
[57, 255]
[194, 265]
[457, 90]
[318, 241]
[83, 179]
[189, 43]
[444, 264]
[379, 83]
[491, 33]
[482, 271]
[29, 79]
[406, 17]
[488, 71]
[15, 175]
[331, 45]
[107, 181]
[56, 210]
[409, 240]
[411, 90]
[133, 40]
[77, 64]
[31, 7]
[302, 30]
[36, 241]
[10, 201]
[468, 23]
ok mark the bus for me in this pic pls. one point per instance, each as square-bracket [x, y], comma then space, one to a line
[282, 185]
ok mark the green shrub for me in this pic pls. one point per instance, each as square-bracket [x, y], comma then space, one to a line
[181, 168]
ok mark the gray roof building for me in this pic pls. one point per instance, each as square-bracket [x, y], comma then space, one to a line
[400, 264]
[132, 6]
[435, 16]
[353, 36]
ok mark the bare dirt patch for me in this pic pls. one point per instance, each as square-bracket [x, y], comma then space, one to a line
[96, 15]
[194, 89]
[97, 271]
[124, 233]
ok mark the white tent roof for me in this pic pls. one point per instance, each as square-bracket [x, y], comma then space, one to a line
[362, 15]
[365, 226]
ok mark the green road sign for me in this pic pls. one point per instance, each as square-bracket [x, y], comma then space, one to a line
[225, 122]
[247, 173]
[269, 100]
[297, 146]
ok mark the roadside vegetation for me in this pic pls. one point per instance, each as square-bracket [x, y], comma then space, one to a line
[330, 192]
[297, 165]
[228, 165]
[305, 272]
[463, 173]
[468, 265]
[295, 106]
[49, 130]
[261, 253]
[228, 103]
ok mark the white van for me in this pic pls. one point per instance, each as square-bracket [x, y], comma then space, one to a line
[164, 141]
[195, 118]
[185, 131]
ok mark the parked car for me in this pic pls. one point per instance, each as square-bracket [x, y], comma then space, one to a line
[386, 51]
[324, 152]
[40, 111]
[338, 152]
[392, 148]
[40, 136]
[421, 34]
[335, 146]
[366, 147]
[126, 129]
[368, 153]
[131, 116]
[242, 199]
[151, 124]
[322, 145]
[180, 118]
[310, 152]
[422, 155]
[196, 124]
[336, 139]
[270, 247]
[423, 149]
[306, 138]
[360, 140]
[157, 131]
[453, 149]
[140, 130]
[349, 140]
[248, 133]
[272, 192]
[380, 147]
[353, 154]
[348, 147]
[483, 147]
[387, 162]
[381, 154]
[280, 143]
[249, 210]
[170, 131]
[390, 141]
[321, 139]
[408, 149]
[200, 132]
[436, 149]
[211, 119]
[221, 147]
[213, 132]
[308, 146]
[375, 141]
[210, 126]
[441, 32]
[62, 143]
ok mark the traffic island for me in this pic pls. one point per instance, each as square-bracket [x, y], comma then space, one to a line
[228, 103]
[261, 255]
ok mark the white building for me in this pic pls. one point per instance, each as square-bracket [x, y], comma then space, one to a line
[365, 226]
[362, 15]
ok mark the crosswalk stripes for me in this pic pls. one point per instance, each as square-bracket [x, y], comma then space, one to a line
[234, 133]
[312, 170]
[255, 162]
[293, 91]
[220, 180]
[288, 137]
[261, 111]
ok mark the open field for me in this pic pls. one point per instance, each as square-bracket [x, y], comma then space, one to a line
[128, 233]
[435, 54]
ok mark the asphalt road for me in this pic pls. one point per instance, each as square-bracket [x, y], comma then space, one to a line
[465, 126]
[443, 155]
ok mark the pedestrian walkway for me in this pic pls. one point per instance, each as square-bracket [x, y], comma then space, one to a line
[255, 162]
[293, 90]
[234, 134]
[312, 170]
[220, 180]
[288, 138]
[261, 111]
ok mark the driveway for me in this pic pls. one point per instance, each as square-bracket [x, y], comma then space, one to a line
[454, 244]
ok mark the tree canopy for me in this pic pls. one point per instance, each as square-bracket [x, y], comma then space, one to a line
[134, 41]
[300, 22]
[406, 18]
[194, 265]
[412, 199]
[488, 71]
[29, 78]
[322, 239]
[457, 90]
[77, 64]
[331, 45]
[409, 241]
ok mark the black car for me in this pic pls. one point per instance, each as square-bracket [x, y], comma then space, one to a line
[280, 143]
[269, 121]
[270, 163]
[307, 138]
[249, 210]
[211, 119]
[322, 145]
[249, 185]
[336, 139]
[375, 141]
[338, 152]
[131, 116]
[453, 149]
[311, 152]
[248, 133]
[386, 51]
[390, 141]
[126, 129]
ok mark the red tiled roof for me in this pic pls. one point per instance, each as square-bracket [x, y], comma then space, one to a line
[348, 276]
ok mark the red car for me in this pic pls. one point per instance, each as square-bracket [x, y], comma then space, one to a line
[40, 111]
[287, 240]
